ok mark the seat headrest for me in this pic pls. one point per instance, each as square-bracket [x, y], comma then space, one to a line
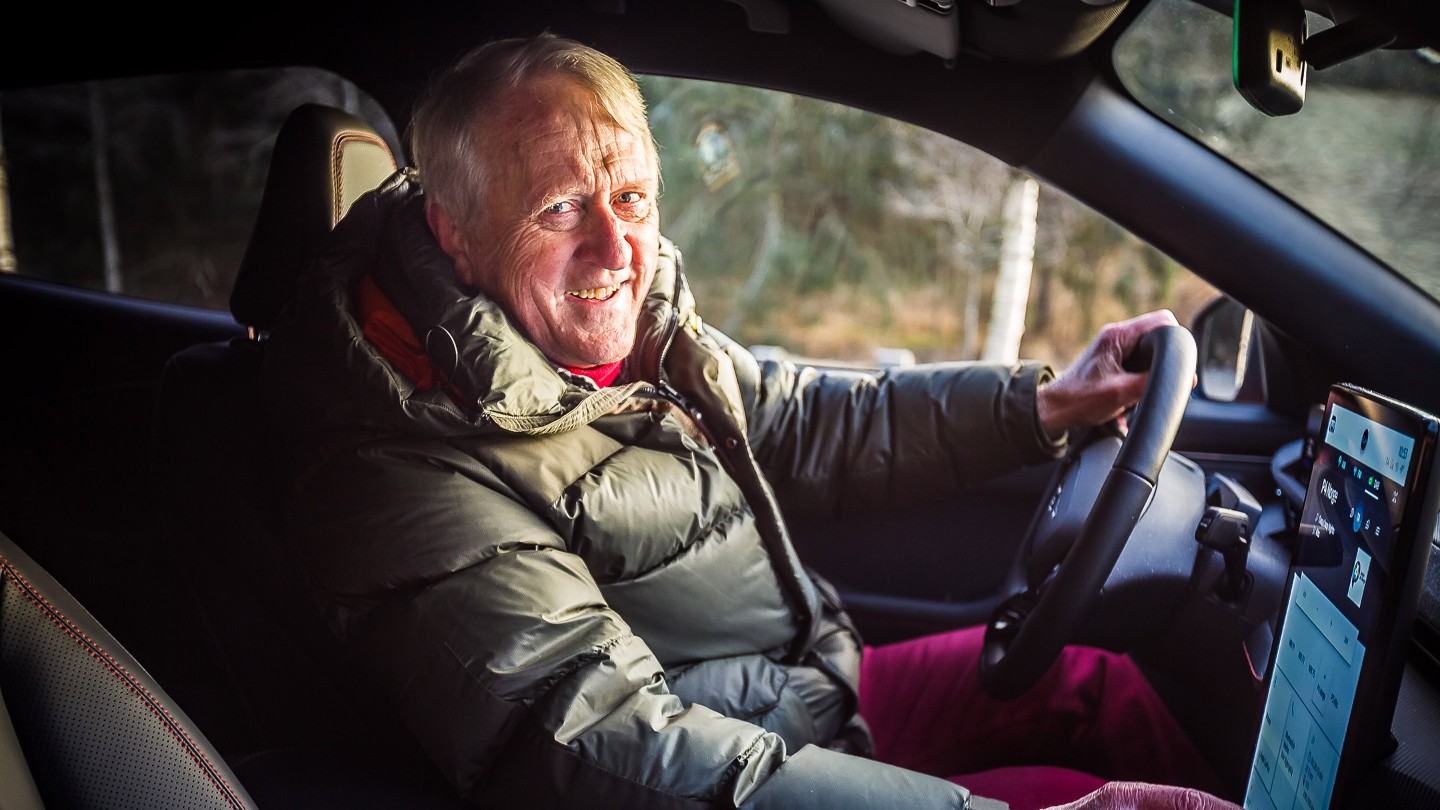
[323, 160]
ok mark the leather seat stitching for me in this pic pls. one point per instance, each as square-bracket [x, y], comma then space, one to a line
[96, 651]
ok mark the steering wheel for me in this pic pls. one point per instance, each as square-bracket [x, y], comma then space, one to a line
[1028, 630]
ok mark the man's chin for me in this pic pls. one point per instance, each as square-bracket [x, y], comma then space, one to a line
[594, 356]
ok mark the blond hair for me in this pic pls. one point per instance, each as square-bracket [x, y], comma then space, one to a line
[449, 135]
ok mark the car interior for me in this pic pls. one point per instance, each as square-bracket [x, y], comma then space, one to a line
[157, 642]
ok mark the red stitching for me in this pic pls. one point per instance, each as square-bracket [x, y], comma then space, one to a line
[58, 618]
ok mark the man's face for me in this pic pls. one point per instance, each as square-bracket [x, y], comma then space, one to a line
[568, 231]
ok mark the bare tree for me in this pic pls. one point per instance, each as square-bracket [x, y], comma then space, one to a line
[104, 194]
[7, 241]
[1012, 288]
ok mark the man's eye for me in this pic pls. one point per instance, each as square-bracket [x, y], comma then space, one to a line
[632, 204]
[562, 207]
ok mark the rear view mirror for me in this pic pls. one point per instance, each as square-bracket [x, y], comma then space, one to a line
[1265, 59]
[1223, 330]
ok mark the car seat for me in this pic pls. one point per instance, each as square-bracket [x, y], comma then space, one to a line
[293, 704]
[218, 474]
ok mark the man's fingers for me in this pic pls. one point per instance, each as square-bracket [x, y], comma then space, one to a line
[1152, 320]
[1130, 332]
[1097, 387]
[1130, 387]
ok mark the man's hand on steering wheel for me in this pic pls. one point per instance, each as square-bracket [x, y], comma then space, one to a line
[1029, 628]
[1096, 387]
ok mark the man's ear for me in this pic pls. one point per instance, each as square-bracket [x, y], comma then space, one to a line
[452, 239]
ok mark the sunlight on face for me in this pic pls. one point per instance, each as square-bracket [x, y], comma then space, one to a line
[568, 233]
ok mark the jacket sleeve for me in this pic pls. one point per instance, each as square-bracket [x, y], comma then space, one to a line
[497, 648]
[837, 441]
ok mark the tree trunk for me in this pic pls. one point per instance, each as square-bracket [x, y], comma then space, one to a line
[104, 197]
[7, 241]
[1012, 288]
[972, 225]
[760, 269]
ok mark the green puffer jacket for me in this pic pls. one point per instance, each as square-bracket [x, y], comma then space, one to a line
[587, 598]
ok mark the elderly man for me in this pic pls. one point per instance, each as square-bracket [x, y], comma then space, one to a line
[535, 490]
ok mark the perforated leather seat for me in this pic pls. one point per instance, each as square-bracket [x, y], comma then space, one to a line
[95, 728]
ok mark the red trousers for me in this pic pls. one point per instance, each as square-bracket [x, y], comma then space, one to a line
[1091, 715]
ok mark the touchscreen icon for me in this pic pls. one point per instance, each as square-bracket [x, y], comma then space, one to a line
[1364, 439]
[1358, 575]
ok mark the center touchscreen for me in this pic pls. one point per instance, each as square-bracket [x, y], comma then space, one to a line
[1341, 601]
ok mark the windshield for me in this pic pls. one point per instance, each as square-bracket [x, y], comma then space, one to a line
[1363, 154]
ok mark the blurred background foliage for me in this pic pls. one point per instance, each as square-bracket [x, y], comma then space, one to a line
[176, 163]
[840, 231]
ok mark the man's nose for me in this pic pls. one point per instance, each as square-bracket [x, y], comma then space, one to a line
[606, 244]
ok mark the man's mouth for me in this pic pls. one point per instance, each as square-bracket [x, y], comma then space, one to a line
[598, 293]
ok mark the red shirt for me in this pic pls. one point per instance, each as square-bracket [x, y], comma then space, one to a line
[602, 375]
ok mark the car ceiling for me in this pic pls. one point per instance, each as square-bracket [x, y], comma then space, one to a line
[699, 38]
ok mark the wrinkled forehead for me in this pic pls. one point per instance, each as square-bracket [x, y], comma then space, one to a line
[554, 134]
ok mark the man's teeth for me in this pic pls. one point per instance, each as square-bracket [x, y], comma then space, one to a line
[601, 293]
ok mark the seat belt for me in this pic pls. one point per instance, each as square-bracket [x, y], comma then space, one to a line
[17, 788]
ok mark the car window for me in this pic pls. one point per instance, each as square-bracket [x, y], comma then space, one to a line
[1363, 154]
[841, 236]
[148, 186]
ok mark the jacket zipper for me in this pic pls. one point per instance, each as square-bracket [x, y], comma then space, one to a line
[662, 384]
[663, 387]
